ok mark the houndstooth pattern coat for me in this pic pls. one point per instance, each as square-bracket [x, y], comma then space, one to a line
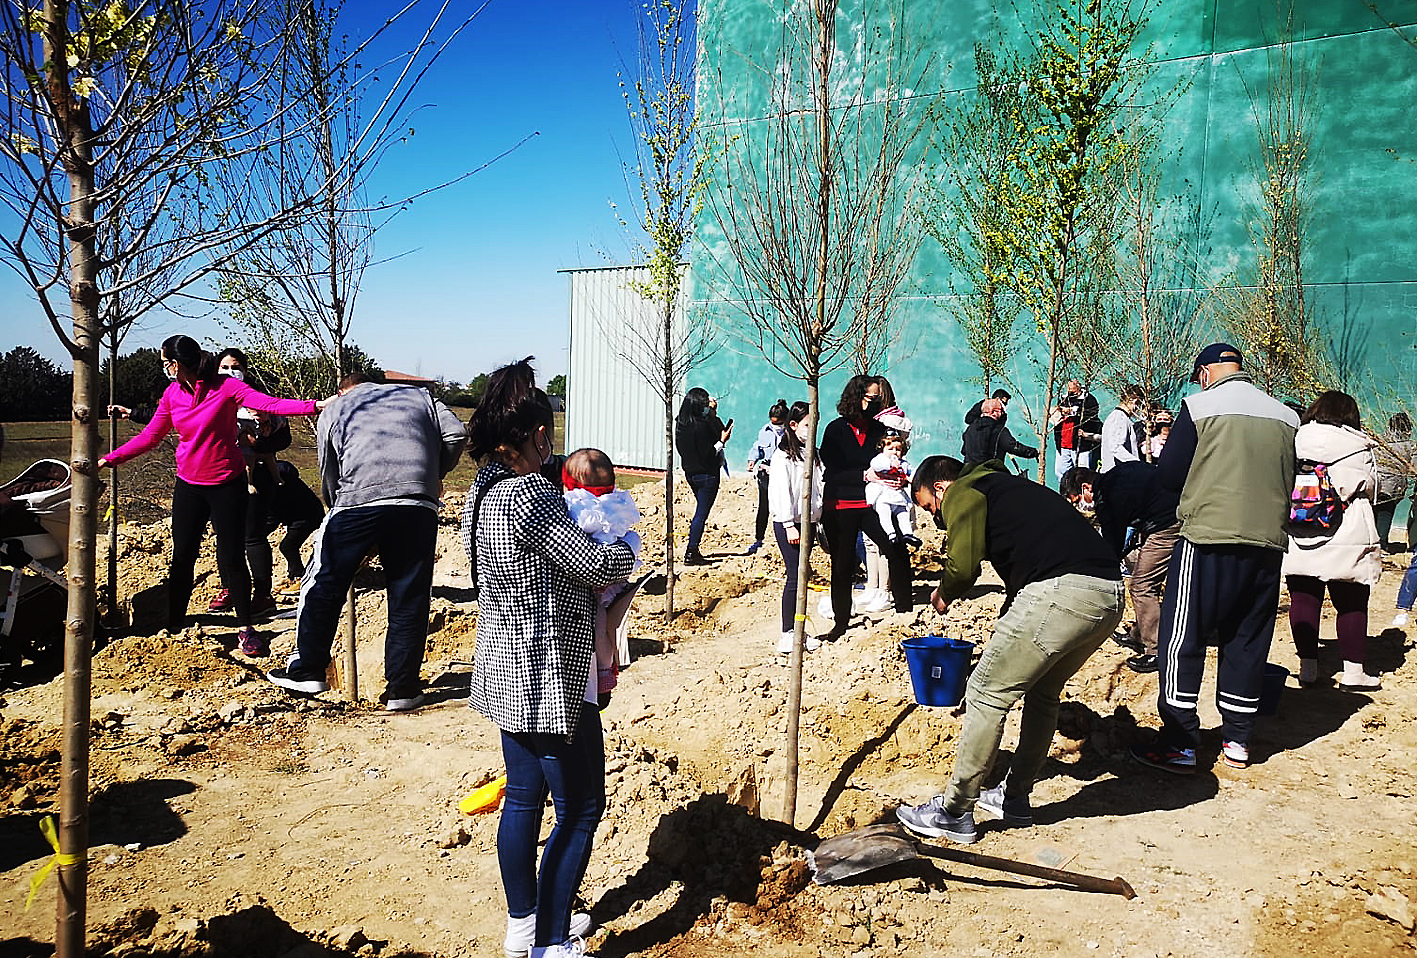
[537, 573]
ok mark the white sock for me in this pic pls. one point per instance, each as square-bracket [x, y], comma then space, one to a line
[1308, 671]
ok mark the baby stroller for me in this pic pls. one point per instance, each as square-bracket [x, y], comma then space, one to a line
[34, 545]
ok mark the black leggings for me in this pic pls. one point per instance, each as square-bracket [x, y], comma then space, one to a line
[258, 547]
[842, 526]
[761, 528]
[192, 506]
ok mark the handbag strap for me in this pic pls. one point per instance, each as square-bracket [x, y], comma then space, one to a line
[472, 539]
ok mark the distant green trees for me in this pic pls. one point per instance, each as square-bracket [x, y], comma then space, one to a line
[31, 387]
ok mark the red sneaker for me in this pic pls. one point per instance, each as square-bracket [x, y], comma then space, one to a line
[222, 602]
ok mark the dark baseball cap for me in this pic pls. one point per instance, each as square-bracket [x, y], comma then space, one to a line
[1216, 353]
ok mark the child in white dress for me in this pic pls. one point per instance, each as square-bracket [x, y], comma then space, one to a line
[605, 514]
[892, 502]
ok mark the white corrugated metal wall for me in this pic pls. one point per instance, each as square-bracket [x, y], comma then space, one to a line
[608, 403]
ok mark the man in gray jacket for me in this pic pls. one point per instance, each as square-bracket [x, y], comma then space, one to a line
[384, 450]
[1231, 458]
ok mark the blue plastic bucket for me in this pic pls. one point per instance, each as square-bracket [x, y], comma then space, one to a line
[939, 667]
[1275, 676]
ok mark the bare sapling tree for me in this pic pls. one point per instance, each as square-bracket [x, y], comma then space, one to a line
[120, 313]
[1158, 288]
[121, 114]
[799, 197]
[291, 297]
[965, 208]
[666, 173]
[1265, 307]
[1056, 220]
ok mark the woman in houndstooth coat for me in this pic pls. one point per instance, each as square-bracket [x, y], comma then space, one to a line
[534, 672]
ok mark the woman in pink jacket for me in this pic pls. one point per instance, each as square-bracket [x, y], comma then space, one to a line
[211, 474]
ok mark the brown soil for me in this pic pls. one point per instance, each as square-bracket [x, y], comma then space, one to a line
[231, 819]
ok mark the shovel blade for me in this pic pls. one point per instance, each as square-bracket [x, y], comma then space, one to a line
[860, 850]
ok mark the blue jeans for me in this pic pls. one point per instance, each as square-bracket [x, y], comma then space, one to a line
[791, 555]
[1067, 458]
[705, 492]
[1408, 590]
[406, 537]
[573, 771]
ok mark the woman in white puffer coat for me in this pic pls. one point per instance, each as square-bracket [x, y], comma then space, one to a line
[1347, 558]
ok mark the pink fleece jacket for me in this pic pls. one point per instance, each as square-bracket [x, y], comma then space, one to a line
[205, 420]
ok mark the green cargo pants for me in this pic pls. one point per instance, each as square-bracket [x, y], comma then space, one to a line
[1038, 644]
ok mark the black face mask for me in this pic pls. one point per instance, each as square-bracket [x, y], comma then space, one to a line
[939, 520]
[873, 405]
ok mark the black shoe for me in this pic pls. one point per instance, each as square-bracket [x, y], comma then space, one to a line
[694, 558]
[296, 679]
[912, 541]
[1124, 638]
[1143, 664]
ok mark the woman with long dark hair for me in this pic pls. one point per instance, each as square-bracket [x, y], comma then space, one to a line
[260, 435]
[787, 474]
[1346, 560]
[847, 447]
[700, 437]
[201, 406]
[535, 574]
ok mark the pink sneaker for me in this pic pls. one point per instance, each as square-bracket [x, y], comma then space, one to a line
[252, 643]
[221, 603]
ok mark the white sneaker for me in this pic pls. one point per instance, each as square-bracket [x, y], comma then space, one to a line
[1399, 621]
[572, 947]
[809, 642]
[521, 932]
[1236, 754]
[871, 601]
[824, 607]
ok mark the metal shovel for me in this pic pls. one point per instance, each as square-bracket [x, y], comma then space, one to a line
[875, 846]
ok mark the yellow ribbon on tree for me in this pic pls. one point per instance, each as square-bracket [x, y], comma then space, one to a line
[46, 828]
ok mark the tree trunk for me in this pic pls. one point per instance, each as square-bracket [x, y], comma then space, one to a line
[668, 331]
[75, 135]
[112, 597]
[826, 43]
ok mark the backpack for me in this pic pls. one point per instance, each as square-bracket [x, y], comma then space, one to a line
[1315, 505]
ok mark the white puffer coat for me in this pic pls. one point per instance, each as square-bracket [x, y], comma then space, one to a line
[1350, 551]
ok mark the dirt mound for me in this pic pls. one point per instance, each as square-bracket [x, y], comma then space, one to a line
[29, 764]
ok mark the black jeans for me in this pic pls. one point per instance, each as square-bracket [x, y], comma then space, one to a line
[760, 527]
[406, 537]
[297, 508]
[192, 506]
[705, 492]
[258, 547]
[842, 527]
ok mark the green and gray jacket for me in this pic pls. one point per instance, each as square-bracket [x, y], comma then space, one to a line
[1230, 455]
[1028, 533]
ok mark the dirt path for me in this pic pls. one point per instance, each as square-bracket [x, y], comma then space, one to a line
[230, 819]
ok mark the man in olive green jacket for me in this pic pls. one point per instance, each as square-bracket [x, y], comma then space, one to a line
[1063, 598]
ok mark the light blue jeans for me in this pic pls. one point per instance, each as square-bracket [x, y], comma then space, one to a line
[1046, 635]
[1067, 458]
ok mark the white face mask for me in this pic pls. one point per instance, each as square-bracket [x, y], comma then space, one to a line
[233, 371]
[170, 373]
[802, 433]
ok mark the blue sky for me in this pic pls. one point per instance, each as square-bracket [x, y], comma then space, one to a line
[477, 284]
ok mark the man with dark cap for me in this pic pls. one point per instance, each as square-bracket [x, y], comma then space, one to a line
[1231, 458]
